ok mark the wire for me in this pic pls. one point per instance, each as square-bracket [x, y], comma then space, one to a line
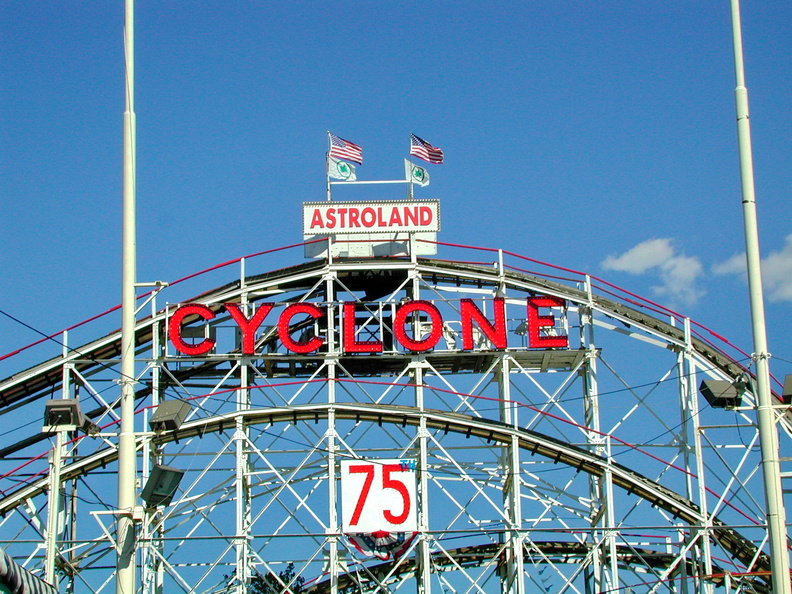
[51, 337]
[530, 406]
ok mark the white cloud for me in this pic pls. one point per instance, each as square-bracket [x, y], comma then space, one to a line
[734, 265]
[645, 255]
[776, 271]
[678, 273]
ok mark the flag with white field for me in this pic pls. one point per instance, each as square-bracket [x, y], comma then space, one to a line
[415, 174]
[338, 169]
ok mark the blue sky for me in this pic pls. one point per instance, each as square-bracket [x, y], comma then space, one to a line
[598, 136]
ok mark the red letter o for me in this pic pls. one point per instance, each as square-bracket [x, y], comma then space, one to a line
[430, 341]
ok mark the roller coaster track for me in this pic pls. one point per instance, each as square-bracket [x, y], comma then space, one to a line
[537, 552]
[377, 278]
[530, 441]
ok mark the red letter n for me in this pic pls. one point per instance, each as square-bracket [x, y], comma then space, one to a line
[496, 333]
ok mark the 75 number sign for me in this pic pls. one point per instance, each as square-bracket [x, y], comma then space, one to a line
[378, 495]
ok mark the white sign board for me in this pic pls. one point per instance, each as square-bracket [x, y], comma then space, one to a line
[374, 216]
[378, 495]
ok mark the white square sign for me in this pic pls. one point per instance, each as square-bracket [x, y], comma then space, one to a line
[378, 495]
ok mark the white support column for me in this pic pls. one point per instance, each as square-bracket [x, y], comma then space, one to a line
[610, 518]
[516, 544]
[600, 488]
[512, 581]
[687, 415]
[334, 527]
[152, 570]
[423, 569]
[55, 499]
[423, 559]
[684, 440]
[694, 460]
[54, 508]
[332, 476]
[157, 352]
[242, 489]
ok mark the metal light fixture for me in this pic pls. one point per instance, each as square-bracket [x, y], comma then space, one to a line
[161, 485]
[721, 394]
[169, 416]
[64, 414]
[786, 395]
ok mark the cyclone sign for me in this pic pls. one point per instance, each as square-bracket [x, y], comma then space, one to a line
[416, 325]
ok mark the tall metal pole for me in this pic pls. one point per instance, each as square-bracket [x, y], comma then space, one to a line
[768, 434]
[127, 463]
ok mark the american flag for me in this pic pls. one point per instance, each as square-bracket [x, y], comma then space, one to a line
[423, 150]
[343, 149]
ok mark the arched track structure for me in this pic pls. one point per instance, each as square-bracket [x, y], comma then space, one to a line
[593, 467]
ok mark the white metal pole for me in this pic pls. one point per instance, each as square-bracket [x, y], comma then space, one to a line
[127, 463]
[768, 435]
[55, 493]
[327, 165]
[54, 508]
[327, 174]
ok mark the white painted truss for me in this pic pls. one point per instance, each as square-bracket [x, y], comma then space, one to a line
[589, 469]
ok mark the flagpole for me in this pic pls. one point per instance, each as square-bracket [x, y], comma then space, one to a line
[768, 433]
[411, 195]
[327, 174]
[327, 165]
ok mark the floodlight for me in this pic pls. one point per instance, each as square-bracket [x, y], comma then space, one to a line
[89, 427]
[63, 414]
[721, 394]
[161, 485]
[786, 395]
[169, 416]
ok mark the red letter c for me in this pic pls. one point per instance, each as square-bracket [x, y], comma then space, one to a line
[175, 327]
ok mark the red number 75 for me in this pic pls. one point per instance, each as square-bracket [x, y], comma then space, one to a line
[388, 482]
